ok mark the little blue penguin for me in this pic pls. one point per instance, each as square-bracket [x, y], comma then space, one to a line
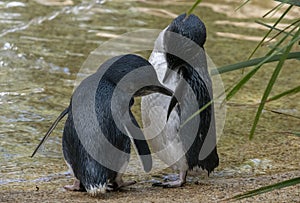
[180, 62]
[100, 125]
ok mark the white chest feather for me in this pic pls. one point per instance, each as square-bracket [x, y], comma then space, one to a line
[163, 137]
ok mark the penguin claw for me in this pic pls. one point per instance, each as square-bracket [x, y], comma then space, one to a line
[171, 177]
[111, 186]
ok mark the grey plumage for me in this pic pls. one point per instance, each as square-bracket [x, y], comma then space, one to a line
[100, 125]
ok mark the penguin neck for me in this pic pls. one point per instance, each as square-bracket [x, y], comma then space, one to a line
[189, 74]
[184, 69]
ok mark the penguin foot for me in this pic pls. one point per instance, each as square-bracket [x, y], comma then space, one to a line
[120, 184]
[75, 187]
[170, 184]
[171, 177]
[127, 183]
[178, 182]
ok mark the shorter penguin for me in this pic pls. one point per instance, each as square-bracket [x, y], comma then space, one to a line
[100, 125]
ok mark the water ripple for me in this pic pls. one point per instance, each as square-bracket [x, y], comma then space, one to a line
[41, 19]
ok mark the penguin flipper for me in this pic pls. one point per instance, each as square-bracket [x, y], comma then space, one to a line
[141, 146]
[65, 112]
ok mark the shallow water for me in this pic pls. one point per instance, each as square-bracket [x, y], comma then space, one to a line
[43, 45]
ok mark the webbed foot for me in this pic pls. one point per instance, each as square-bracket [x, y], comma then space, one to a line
[178, 182]
[75, 187]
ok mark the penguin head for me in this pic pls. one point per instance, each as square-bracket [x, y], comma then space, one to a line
[183, 39]
[190, 27]
[135, 76]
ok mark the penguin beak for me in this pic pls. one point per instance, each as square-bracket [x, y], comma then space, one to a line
[173, 103]
[159, 89]
[167, 75]
[178, 94]
[153, 89]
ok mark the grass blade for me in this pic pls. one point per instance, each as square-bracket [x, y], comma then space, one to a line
[201, 109]
[241, 83]
[273, 9]
[284, 30]
[269, 55]
[252, 62]
[243, 4]
[277, 29]
[285, 114]
[268, 188]
[272, 82]
[193, 7]
[292, 2]
[285, 93]
[196, 113]
[275, 24]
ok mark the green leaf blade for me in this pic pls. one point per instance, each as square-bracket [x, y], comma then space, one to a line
[268, 33]
[193, 7]
[272, 82]
[268, 188]
[253, 62]
[292, 91]
[291, 2]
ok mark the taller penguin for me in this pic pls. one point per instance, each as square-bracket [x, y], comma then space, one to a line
[100, 124]
[180, 62]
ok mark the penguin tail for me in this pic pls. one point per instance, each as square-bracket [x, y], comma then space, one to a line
[210, 162]
[65, 112]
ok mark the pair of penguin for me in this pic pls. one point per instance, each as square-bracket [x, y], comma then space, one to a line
[100, 126]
